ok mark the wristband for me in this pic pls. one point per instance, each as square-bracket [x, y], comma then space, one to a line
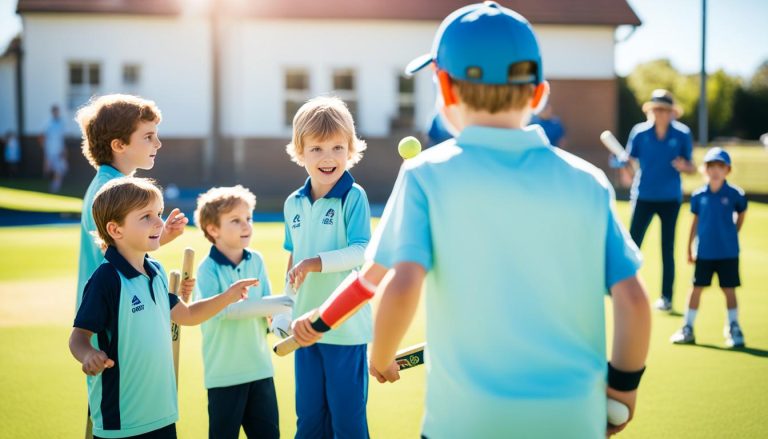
[624, 381]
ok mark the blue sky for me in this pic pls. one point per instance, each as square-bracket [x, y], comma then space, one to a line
[737, 34]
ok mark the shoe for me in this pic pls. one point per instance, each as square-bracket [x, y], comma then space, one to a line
[683, 335]
[734, 338]
[663, 304]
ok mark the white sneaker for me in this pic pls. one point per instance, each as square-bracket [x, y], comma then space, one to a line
[683, 335]
[734, 338]
[663, 304]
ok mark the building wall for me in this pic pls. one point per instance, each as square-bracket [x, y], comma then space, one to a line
[7, 95]
[172, 52]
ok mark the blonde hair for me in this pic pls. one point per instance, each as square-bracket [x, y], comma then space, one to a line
[496, 98]
[219, 201]
[109, 117]
[322, 118]
[119, 197]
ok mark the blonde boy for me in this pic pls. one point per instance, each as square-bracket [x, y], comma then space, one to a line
[119, 136]
[238, 363]
[327, 226]
[127, 306]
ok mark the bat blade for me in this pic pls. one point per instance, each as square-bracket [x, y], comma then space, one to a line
[613, 145]
[411, 356]
[174, 281]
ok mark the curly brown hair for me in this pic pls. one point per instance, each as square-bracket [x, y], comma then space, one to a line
[109, 117]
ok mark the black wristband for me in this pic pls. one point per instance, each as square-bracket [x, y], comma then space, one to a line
[624, 381]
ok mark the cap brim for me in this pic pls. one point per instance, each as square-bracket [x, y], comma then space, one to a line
[418, 64]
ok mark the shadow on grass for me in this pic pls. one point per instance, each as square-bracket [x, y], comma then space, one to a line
[745, 350]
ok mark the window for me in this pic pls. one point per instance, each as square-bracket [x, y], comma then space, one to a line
[406, 103]
[296, 92]
[84, 82]
[344, 88]
[131, 75]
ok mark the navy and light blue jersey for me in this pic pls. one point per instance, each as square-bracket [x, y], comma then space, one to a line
[716, 232]
[520, 239]
[340, 219]
[130, 314]
[91, 255]
[235, 351]
[657, 179]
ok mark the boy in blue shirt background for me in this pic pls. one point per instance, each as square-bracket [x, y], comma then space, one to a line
[327, 227]
[718, 213]
[128, 308]
[237, 359]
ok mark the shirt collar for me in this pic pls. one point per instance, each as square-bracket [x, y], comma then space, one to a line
[523, 139]
[219, 257]
[116, 259]
[110, 170]
[339, 190]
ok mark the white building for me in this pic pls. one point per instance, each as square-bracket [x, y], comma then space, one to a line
[259, 60]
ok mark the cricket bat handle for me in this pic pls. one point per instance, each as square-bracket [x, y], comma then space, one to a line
[187, 266]
[286, 346]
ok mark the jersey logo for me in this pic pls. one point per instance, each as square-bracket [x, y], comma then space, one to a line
[724, 200]
[328, 220]
[296, 222]
[673, 142]
[137, 306]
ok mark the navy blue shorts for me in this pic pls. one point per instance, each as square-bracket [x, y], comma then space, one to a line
[167, 432]
[727, 272]
[252, 405]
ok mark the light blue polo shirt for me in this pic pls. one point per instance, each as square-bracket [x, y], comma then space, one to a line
[91, 255]
[235, 351]
[338, 220]
[520, 242]
[716, 232]
[657, 179]
[130, 315]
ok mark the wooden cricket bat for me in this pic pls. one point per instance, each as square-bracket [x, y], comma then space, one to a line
[613, 145]
[341, 305]
[411, 356]
[174, 284]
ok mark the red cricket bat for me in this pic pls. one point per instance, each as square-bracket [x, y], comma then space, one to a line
[348, 298]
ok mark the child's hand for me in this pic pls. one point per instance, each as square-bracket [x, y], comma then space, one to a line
[303, 331]
[629, 399]
[298, 274]
[95, 362]
[691, 258]
[390, 375]
[187, 286]
[239, 289]
[174, 226]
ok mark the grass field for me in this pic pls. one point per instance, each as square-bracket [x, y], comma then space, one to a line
[703, 391]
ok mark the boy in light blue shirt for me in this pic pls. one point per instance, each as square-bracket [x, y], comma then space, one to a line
[713, 245]
[238, 362]
[327, 227]
[515, 238]
[119, 136]
[121, 333]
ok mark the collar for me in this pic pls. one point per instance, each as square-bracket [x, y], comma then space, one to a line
[339, 190]
[725, 185]
[110, 170]
[523, 139]
[219, 257]
[116, 259]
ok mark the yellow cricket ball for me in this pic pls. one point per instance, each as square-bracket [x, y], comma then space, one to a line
[409, 147]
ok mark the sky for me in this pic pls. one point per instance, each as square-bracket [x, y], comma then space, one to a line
[737, 34]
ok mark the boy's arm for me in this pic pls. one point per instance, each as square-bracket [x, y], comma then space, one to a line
[202, 310]
[740, 220]
[691, 237]
[631, 337]
[173, 226]
[94, 361]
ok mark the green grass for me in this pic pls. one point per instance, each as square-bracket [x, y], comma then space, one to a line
[702, 391]
[31, 201]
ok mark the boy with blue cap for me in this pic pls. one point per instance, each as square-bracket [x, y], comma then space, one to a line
[513, 236]
[715, 235]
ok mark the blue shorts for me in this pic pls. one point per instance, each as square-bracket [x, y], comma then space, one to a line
[252, 405]
[727, 272]
[331, 391]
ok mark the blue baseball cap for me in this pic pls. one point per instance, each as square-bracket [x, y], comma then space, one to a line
[478, 43]
[717, 154]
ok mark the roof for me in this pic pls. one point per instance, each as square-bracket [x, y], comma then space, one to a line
[584, 12]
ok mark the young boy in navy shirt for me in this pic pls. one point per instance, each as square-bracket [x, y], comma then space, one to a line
[713, 245]
[128, 307]
[237, 359]
[327, 227]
